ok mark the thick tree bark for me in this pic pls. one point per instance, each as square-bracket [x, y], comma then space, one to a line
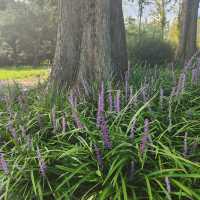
[91, 43]
[188, 30]
[69, 36]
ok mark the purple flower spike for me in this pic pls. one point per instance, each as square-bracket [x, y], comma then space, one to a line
[42, 164]
[98, 156]
[117, 102]
[105, 134]
[53, 117]
[3, 164]
[146, 126]
[143, 143]
[110, 99]
[100, 104]
[168, 185]
[145, 136]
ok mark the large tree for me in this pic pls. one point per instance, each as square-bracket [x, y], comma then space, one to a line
[91, 42]
[188, 30]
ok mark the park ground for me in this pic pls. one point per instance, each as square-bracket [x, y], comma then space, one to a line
[26, 76]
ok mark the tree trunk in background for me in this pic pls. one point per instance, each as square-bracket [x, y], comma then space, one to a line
[188, 30]
[118, 39]
[91, 44]
[67, 54]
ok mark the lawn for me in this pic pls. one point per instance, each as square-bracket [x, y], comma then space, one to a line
[22, 73]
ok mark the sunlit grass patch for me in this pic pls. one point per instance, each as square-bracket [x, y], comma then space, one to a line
[20, 73]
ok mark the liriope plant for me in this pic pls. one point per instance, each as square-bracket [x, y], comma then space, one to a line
[138, 140]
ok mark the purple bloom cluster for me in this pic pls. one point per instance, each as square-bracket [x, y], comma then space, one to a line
[110, 99]
[53, 117]
[73, 99]
[42, 164]
[98, 156]
[105, 134]
[168, 184]
[3, 164]
[100, 105]
[145, 136]
[117, 101]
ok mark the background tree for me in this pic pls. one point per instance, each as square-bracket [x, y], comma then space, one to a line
[27, 32]
[91, 45]
[188, 30]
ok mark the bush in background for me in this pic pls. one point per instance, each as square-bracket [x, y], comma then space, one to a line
[151, 51]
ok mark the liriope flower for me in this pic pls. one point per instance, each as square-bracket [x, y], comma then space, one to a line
[105, 134]
[110, 99]
[168, 184]
[117, 101]
[98, 156]
[53, 118]
[42, 164]
[100, 105]
[145, 136]
[3, 164]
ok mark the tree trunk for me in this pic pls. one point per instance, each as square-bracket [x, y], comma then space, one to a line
[91, 43]
[188, 30]
[67, 54]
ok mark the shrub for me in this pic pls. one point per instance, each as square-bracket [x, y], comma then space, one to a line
[150, 51]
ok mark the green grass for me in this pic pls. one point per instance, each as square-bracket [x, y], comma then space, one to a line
[19, 73]
[35, 120]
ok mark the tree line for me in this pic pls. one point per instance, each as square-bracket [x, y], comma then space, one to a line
[91, 37]
[27, 32]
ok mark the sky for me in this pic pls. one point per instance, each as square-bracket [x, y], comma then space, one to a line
[131, 9]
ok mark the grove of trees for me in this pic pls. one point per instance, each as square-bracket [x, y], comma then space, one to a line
[27, 32]
[91, 36]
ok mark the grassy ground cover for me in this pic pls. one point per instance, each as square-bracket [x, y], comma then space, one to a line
[19, 73]
[138, 140]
